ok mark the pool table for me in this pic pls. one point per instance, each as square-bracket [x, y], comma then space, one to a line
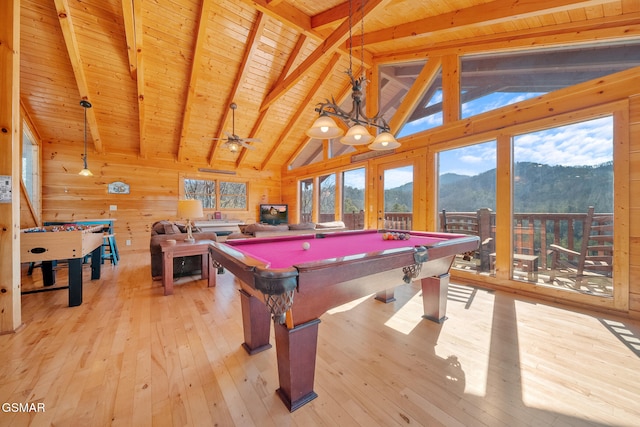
[280, 279]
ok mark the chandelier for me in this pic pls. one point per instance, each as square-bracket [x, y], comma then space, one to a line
[326, 128]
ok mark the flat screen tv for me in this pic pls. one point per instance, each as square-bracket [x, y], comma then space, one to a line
[274, 214]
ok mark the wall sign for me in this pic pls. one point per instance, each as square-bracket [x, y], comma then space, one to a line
[118, 187]
[5, 188]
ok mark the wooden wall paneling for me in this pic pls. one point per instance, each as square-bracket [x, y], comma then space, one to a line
[154, 192]
[10, 137]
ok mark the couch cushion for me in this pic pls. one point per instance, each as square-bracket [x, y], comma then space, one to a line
[252, 228]
[331, 224]
[303, 226]
[171, 229]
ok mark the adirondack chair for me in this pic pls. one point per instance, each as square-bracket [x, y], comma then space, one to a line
[596, 251]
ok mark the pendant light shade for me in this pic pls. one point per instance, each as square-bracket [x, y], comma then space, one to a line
[357, 135]
[324, 128]
[384, 141]
[85, 171]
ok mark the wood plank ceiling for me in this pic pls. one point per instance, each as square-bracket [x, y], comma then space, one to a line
[161, 74]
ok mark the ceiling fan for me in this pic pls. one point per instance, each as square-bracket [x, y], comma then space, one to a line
[233, 141]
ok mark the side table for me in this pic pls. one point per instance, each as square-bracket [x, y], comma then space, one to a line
[180, 249]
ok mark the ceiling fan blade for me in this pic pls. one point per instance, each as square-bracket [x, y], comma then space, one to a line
[252, 139]
[245, 145]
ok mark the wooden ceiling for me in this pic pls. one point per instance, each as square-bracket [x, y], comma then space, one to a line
[161, 74]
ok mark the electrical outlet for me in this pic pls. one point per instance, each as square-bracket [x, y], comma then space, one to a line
[128, 242]
[113, 207]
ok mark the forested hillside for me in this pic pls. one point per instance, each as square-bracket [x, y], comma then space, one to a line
[537, 188]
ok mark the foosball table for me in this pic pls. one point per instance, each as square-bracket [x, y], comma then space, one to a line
[52, 244]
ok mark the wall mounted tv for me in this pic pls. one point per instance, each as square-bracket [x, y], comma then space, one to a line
[274, 214]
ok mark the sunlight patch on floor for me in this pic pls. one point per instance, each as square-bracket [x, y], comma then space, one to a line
[404, 320]
[348, 306]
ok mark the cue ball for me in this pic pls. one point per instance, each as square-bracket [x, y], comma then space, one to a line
[306, 246]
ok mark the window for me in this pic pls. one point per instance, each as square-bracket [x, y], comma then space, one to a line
[467, 200]
[398, 197]
[490, 81]
[233, 195]
[306, 200]
[353, 187]
[395, 82]
[30, 167]
[559, 175]
[327, 197]
[214, 194]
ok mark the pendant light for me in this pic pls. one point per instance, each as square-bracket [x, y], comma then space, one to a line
[326, 128]
[85, 171]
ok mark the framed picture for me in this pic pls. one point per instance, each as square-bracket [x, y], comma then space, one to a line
[118, 187]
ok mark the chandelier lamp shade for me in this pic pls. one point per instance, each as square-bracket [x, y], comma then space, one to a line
[85, 170]
[326, 128]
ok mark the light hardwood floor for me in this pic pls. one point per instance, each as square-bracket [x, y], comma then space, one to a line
[129, 356]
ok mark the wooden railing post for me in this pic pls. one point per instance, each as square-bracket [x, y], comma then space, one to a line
[487, 243]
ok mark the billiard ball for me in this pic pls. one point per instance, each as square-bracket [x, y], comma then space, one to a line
[306, 246]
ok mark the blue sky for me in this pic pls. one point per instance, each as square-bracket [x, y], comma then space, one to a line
[586, 143]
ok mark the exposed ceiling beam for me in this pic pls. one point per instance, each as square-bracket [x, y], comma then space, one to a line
[486, 14]
[137, 26]
[130, 35]
[252, 47]
[194, 74]
[304, 105]
[285, 13]
[332, 42]
[69, 35]
[563, 34]
[331, 16]
[263, 114]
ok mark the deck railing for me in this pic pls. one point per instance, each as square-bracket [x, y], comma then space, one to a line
[533, 232]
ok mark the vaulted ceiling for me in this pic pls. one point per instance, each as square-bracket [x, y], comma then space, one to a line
[161, 74]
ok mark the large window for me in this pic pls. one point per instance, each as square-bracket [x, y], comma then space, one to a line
[398, 197]
[353, 190]
[306, 200]
[467, 200]
[30, 167]
[562, 194]
[490, 81]
[213, 194]
[327, 197]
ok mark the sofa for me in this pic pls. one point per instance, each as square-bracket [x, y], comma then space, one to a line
[267, 230]
[183, 266]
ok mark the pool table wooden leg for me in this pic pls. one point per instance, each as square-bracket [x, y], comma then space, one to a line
[296, 350]
[256, 322]
[434, 297]
[386, 296]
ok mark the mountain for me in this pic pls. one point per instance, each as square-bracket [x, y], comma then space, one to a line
[537, 188]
